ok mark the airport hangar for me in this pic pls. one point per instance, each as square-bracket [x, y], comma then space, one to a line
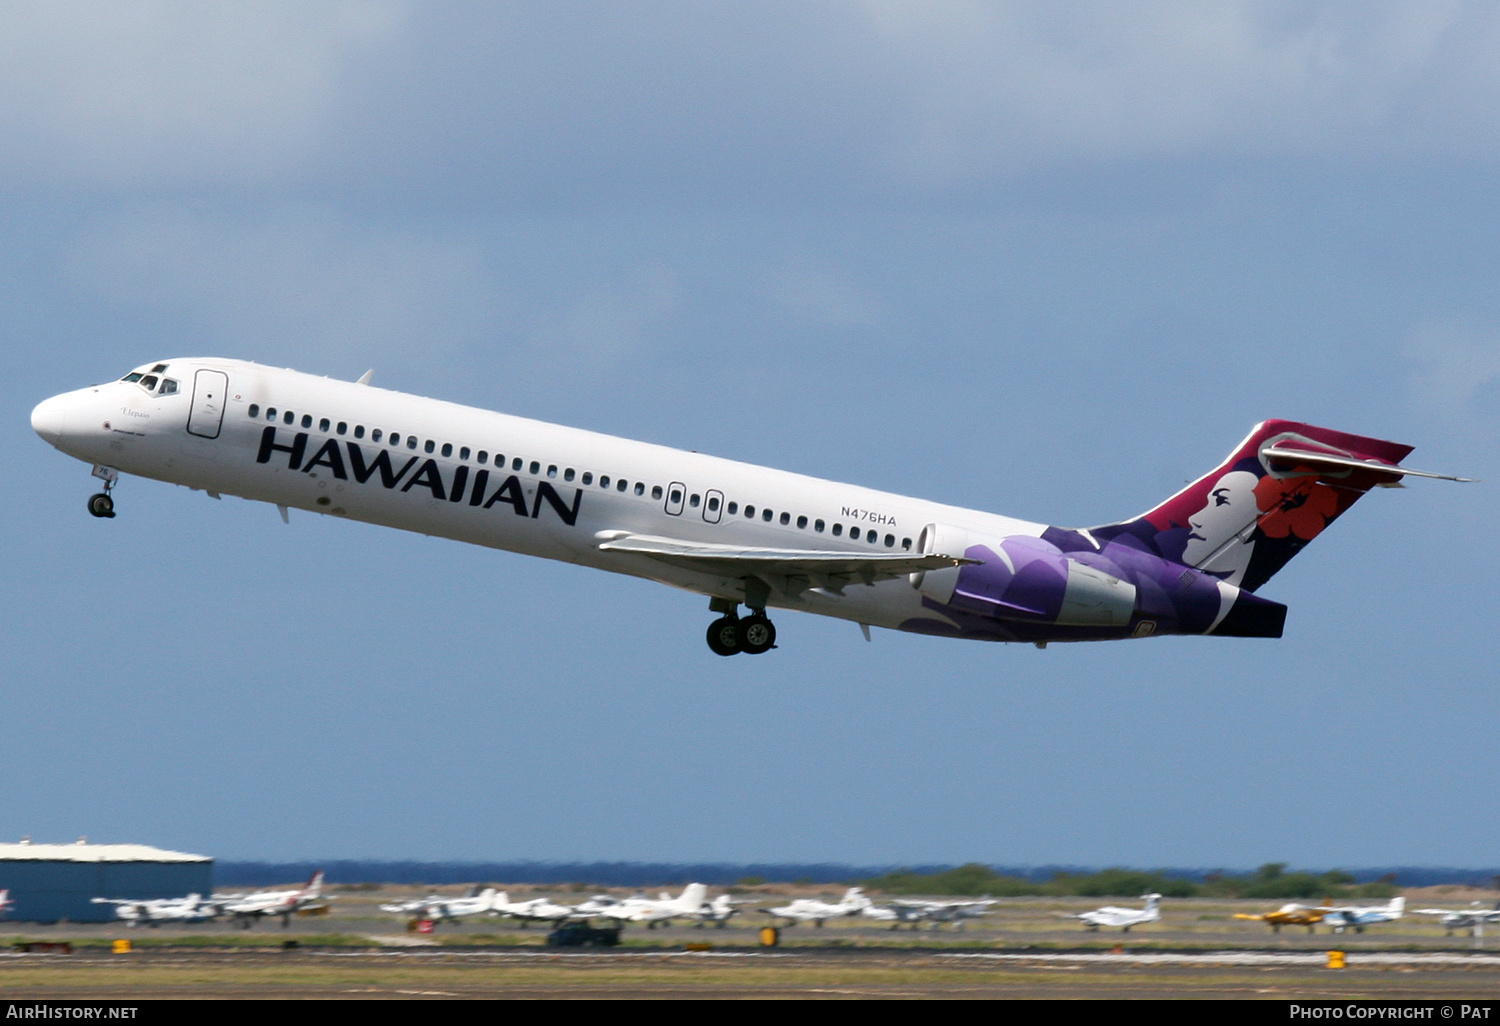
[52, 882]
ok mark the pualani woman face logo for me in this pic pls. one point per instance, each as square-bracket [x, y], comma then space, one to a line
[1229, 509]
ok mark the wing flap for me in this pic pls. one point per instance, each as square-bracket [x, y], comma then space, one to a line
[819, 568]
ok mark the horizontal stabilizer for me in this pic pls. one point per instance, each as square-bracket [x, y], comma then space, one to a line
[1317, 460]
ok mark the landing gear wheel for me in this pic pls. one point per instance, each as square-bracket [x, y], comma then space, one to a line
[724, 636]
[757, 634]
[101, 505]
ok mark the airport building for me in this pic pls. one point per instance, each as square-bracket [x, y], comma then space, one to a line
[52, 882]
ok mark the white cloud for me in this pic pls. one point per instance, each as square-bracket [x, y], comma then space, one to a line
[161, 90]
[296, 283]
[1456, 363]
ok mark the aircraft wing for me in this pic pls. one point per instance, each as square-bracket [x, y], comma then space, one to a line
[789, 570]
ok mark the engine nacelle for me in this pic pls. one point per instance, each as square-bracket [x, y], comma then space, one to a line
[1022, 578]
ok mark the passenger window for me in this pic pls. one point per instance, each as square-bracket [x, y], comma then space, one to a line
[343, 427]
[552, 470]
[168, 387]
[693, 501]
[323, 425]
[890, 541]
[713, 504]
[656, 491]
[448, 451]
[871, 536]
[148, 382]
[676, 498]
[838, 529]
[906, 544]
[802, 522]
[621, 485]
[854, 534]
[640, 488]
[374, 435]
[430, 446]
[307, 420]
[786, 518]
[288, 417]
[270, 413]
[766, 515]
[588, 477]
[750, 511]
[603, 480]
[394, 439]
[536, 467]
[483, 457]
[733, 508]
[411, 442]
[818, 526]
[568, 474]
[255, 409]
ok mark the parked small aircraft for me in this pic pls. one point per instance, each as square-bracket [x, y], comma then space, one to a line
[1358, 917]
[1124, 918]
[246, 908]
[811, 910]
[651, 911]
[1290, 914]
[1472, 918]
[534, 910]
[721, 910]
[155, 911]
[936, 912]
[437, 908]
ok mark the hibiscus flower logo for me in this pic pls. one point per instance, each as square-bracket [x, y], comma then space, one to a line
[1297, 505]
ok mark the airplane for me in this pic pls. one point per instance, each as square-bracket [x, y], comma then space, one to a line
[810, 910]
[1124, 918]
[721, 910]
[651, 911]
[535, 910]
[246, 908]
[6, 902]
[155, 911]
[936, 912]
[1290, 914]
[438, 908]
[1472, 918]
[736, 533]
[1361, 916]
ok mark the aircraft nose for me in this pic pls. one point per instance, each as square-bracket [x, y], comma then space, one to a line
[49, 418]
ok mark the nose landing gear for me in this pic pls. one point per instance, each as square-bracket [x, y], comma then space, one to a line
[100, 503]
[729, 634]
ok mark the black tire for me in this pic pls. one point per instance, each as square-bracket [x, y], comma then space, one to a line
[101, 505]
[724, 636]
[757, 634]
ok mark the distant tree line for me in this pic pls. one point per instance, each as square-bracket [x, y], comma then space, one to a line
[1269, 881]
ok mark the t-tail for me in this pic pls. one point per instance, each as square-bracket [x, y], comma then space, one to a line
[1278, 490]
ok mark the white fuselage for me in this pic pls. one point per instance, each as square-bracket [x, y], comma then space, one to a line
[491, 479]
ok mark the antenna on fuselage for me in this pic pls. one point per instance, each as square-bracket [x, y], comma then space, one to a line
[364, 379]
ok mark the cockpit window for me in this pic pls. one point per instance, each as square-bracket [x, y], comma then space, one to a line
[168, 387]
[132, 376]
[149, 382]
[158, 368]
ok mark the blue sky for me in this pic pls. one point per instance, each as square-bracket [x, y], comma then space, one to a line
[1050, 260]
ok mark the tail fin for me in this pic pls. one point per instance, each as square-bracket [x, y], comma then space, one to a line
[693, 896]
[314, 885]
[1398, 904]
[1277, 491]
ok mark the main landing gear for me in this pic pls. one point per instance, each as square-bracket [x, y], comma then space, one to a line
[729, 634]
[100, 503]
